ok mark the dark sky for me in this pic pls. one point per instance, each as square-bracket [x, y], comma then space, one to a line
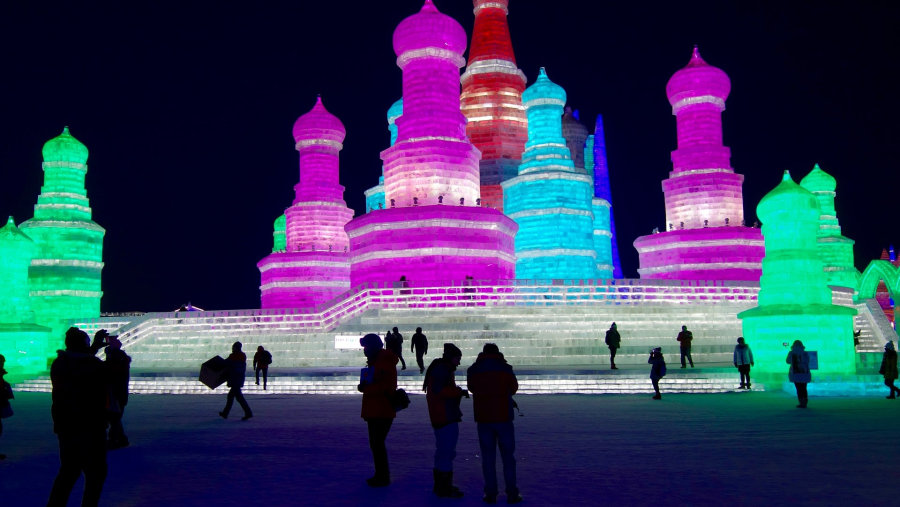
[187, 111]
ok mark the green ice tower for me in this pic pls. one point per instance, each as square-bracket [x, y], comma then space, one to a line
[22, 342]
[65, 274]
[794, 298]
[835, 250]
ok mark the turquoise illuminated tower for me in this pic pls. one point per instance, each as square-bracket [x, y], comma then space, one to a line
[65, 273]
[375, 195]
[23, 342]
[550, 199]
[835, 250]
[794, 298]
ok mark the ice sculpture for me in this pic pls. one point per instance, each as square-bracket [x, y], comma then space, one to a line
[835, 250]
[602, 187]
[375, 195]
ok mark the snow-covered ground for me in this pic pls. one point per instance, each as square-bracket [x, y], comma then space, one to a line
[689, 449]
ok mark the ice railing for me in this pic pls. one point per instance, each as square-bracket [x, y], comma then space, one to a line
[436, 294]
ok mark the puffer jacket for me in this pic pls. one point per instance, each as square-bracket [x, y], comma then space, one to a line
[237, 369]
[742, 355]
[376, 402]
[799, 372]
[442, 393]
[492, 383]
[79, 394]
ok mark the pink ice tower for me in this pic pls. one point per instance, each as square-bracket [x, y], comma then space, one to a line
[314, 265]
[432, 227]
[704, 237]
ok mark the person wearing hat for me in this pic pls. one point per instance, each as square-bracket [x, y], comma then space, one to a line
[377, 386]
[657, 370]
[889, 369]
[443, 397]
[613, 341]
[743, 360]
[493, 384]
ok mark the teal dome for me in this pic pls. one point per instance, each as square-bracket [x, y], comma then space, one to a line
[787, 199]
[543, 89]
[395, 111]
[65, 148]
[818, 181]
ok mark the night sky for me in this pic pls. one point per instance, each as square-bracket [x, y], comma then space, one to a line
[187, 110]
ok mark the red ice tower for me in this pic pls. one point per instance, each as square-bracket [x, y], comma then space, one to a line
[491, 100]
[315, 265]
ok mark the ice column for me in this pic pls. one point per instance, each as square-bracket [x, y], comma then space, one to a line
[835, 250]
[602, 188]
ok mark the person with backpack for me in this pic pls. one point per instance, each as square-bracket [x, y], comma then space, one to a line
[261, 361]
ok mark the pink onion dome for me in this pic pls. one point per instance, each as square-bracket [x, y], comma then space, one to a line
[319, 124]
[698, 80]
[429, 28]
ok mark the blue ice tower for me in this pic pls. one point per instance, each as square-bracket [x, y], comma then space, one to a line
[602, 191]
[375, 195]
[549, 199]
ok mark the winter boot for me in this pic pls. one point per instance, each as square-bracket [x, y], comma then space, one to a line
[443, 485]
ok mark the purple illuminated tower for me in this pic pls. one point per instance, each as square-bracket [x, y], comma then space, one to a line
[705, 237]
[314, 266]
[432, 228]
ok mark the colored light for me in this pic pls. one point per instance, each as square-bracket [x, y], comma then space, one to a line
[835, 250]
[602, 188]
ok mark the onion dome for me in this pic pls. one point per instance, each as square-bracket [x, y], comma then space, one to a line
[319, 125]
[544, 91]
[395, 111]
[15, 244]
[787, 199]
[429, 28]
[818, 181]
[65, 148]
[698, 79]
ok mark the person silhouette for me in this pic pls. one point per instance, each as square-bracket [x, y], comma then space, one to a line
[419, 345]
[613, 341]
[6, 394]
[889, 369]
[394, 343]
[237, 371]
[261, 361]
[443, 397]
[685, 338]
[799, 372]
[118, 367]
[378, 383]
[657, 370]
[743, 360]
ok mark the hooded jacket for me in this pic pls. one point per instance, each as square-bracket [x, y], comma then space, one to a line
[492, 383]
[799, 361]
[742, 354]
[376, 402]
[442, 393]
[79, 394]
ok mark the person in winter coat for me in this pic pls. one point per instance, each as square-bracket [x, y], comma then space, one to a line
[261, 361]
[237, 371]
[889, 369]
[394, 343]
[79, 396]
[420, 347]
[657, 370]
[443, 397]
[118, 366]
[799, 372]
[613, 340]
[743, 360]
[492, 383]
[685, 338]
[6, 394]
[377, 386]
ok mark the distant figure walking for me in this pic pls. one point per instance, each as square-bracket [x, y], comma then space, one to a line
[394, 343]
[237, 371]
[420, 347]
[79, 417]
[6, 394]
[261, 361]
[118, 367]
[685, 338]
[443, 397]
[743, 360]
[492, 383]
[377, 384]
[613, 340]
[657, 370]
[799, 372]
[888, 369]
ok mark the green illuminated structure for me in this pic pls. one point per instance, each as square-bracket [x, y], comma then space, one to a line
[835, 250]
[22, 342]
[65, 274]
[279, 240]
[794, 298]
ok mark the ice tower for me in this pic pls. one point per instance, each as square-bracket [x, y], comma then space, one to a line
[435, 231]
[492, 87]
[314, 266]
[705, 236]
[65, 272]
[375, 195]
[602, 188]
[835, 250]
[550, 199]
[575, 135]
[794, 298]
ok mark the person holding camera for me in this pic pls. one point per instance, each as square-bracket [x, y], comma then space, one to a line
[657, 370]
[443, 397]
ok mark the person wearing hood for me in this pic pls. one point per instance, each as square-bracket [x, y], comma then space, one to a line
[237, 371]
[79, 397]
[799, 372]
[889, 369]
[492, 383]
[6, 394]
[118, 366]
[377, 385]
[743, 360]
[443, 397]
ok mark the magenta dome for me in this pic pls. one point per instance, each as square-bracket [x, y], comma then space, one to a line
[698, 79]
[429, 28]
[318, 123]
